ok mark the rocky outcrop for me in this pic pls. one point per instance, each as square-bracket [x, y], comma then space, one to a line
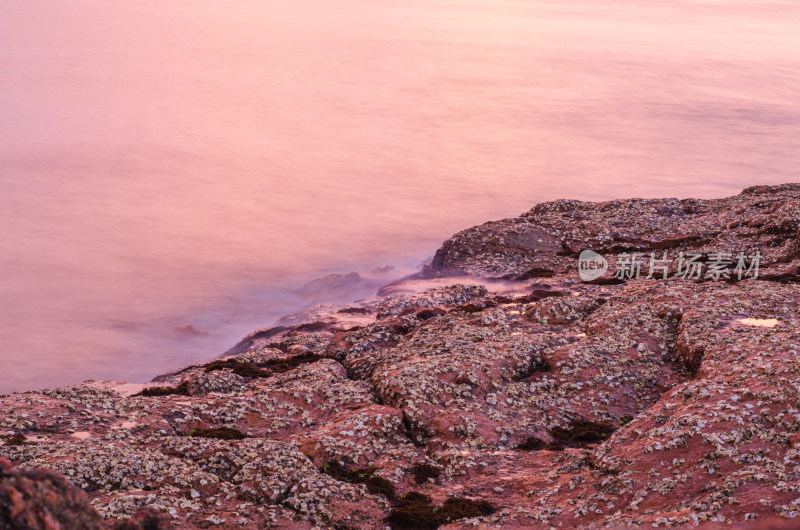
[516, 397]
[32, 498]
[546, 240]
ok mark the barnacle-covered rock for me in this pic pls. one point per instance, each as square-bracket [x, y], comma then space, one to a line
[495, 389]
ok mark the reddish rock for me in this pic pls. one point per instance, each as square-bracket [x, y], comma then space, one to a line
[33, 498]
[518, 398]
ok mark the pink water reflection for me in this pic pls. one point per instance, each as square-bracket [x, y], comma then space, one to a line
[176, 163]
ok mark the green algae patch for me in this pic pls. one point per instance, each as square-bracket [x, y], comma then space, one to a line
[239, 368]
[154, 391]
[220, 433]
[423, 472]
[582, 433]
[289, 363]
[415, 511]
[366, 476]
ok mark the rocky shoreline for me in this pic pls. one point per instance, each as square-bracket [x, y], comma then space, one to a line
[495, 389]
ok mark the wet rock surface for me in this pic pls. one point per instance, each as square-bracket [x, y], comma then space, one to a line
[517, 397]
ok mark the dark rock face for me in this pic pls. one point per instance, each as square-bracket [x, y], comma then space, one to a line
[538, 401]
[550, 236]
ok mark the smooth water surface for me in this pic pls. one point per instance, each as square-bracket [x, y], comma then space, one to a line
[171, 170]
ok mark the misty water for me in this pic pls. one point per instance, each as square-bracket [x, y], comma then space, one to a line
[172, 172]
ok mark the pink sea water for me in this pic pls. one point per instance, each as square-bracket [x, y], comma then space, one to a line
[172, 171]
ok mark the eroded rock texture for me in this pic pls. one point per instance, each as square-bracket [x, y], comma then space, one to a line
[533, 402]
[32, 499]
